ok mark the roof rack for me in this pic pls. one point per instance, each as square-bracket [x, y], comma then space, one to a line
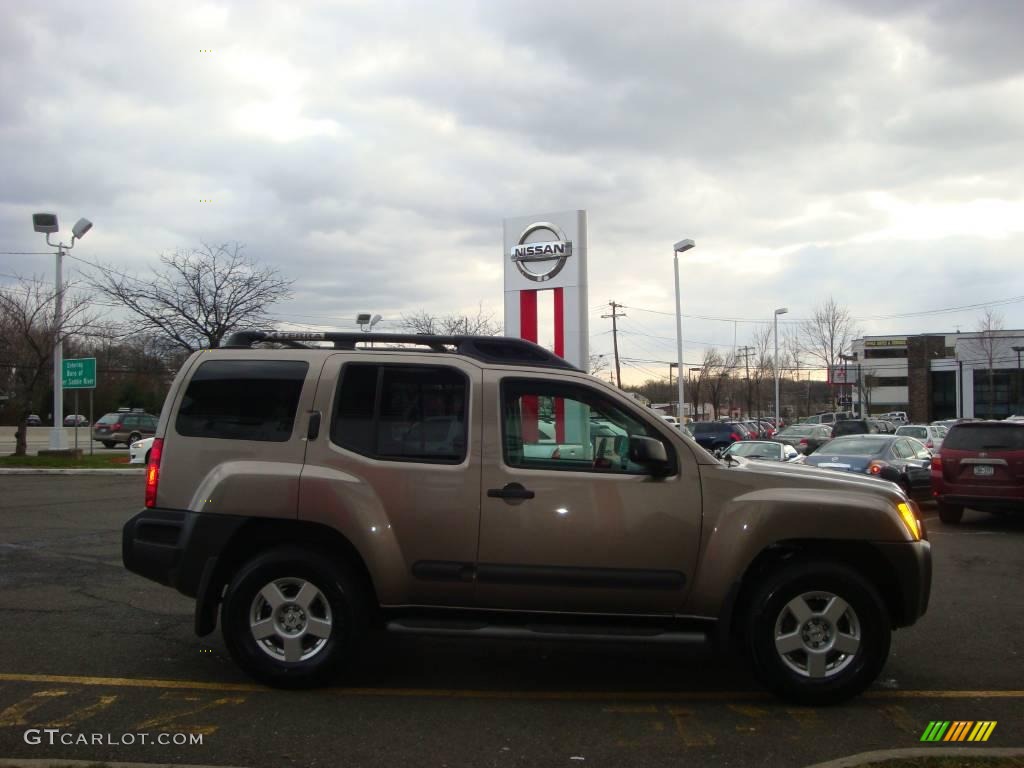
[502, 350]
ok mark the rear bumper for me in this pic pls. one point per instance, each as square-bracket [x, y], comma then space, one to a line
[176, 548]
[912, 564]
[983, 502]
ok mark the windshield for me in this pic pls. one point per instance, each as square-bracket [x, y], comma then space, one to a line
[754, 450]
[854, 446]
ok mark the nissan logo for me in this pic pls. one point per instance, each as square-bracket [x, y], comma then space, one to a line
[540, 261]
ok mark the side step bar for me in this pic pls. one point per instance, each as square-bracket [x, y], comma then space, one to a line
[616, 634]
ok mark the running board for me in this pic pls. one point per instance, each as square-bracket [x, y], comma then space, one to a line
[617, 634]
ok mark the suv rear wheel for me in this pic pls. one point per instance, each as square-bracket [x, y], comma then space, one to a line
[951, 514]
[134, 437]
[819, 633]
[291, 618]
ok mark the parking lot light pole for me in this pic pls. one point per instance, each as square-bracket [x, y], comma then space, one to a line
[1018, 350]
[775, 363]
[46, 223]
[680, 247]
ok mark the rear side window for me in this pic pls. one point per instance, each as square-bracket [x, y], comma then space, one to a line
[979, 437]
[110, 418]
[402, 413]
[242, 400]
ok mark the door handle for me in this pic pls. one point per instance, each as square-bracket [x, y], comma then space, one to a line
[313, 429]
[510, 491]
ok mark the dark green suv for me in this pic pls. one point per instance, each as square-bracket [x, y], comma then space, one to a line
[124, 427]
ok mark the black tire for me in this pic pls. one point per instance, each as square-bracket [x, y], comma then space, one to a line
[108, 443]
[950, 514]
[850, 673]
[338, 593]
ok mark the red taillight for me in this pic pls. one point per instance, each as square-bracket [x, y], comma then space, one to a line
[929, 444]
[875, 467]
[803, 441]
[116, 427]
[734, 437]
[936, 462]
[153, 471]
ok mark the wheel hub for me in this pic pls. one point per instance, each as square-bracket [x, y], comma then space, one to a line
[291, 619]
[816, 633]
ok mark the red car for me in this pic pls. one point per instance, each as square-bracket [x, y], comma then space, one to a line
[981, 466]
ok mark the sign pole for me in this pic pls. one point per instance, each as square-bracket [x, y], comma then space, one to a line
[76, 420]
[92, 443]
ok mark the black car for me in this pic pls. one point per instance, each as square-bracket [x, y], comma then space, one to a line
[806, 438]
[901, 460]
[715, 435]
[857, 427]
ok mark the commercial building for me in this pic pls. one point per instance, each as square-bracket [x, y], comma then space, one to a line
[938, 376]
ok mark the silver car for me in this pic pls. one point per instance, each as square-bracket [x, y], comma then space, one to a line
[929, 434]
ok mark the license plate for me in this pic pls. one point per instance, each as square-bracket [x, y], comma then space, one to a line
[835, 466]
[984, 470]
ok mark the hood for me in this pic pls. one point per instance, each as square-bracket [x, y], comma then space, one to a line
[782, 474]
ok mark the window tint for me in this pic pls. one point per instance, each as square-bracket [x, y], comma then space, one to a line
[109, 418]
[411, 413]
[709, 427]
[242, 400]
[981, 437]
[903, 449]
[591, 432]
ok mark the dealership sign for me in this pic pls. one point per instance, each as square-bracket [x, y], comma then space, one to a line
[545, 259]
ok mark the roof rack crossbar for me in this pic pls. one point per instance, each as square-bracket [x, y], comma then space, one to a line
[488, 349]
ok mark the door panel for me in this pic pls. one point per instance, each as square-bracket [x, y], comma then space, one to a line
[396, 469]
[598, 534]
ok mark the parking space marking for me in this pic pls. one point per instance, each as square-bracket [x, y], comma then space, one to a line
[691, 733]
[901, 718]
[15, 714]
[449, 693]
[195, 706]
[84, 713]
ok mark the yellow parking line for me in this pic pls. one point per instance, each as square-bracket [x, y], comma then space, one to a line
[449, 693]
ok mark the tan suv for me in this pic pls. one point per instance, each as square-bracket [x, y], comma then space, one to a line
[483, 487]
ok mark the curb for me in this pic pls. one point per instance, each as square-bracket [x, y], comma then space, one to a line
[879, 755]
[13, 762]
[51, 471]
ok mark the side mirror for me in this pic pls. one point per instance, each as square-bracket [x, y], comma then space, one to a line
[649, 453]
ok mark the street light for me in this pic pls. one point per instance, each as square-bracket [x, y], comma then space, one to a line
[680, 247]
[1018, 350]
[46, 223]
[775, 364]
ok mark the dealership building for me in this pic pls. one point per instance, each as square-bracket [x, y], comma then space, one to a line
[937, 375]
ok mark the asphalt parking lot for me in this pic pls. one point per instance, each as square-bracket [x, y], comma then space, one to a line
[88, 648]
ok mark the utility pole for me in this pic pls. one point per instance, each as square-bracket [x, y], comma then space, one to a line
[615, 315]
[746, 352]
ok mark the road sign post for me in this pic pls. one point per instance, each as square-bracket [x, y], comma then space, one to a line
[79, 374]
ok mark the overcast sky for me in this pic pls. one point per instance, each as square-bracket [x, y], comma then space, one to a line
[370, 150]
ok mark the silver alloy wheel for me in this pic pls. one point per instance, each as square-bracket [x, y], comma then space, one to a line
[817, 634]
[290, 619]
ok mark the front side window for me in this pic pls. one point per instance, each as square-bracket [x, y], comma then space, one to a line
[550, 425]
[242, 400]
[402, 412]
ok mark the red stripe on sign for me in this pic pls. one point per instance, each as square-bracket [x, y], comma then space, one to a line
[528, 315]
[559, 322]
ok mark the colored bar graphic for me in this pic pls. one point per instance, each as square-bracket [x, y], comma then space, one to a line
[935, 731]
[958, 730]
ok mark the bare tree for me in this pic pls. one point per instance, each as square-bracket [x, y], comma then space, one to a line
[29, 331]
[598, 364]
[480, 324]
[716, 373]
[199, 296]
[989, 345]
[827, 334]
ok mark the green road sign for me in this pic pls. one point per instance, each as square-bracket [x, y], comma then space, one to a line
[80, 374]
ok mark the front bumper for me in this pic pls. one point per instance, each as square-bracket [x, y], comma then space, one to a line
[911, 563]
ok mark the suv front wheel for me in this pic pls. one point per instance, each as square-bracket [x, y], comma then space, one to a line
[819, 633]
[291, 618]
